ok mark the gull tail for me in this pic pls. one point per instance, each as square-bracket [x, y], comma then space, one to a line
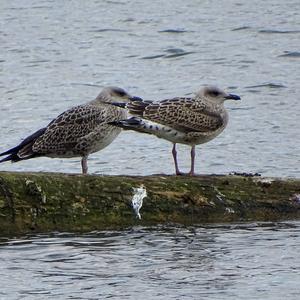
[149, 127]
[137, 124]
[24, 149]
[145, 126]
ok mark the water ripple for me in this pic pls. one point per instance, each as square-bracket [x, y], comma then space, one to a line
[274, 31]
[179, 54]
[241, 28]
[268, 85]
[292, 54]
[173, 31]
[176, 52]
[173, 52]
[153, 56]
[107, 30]
[211, 260]
[155, 50]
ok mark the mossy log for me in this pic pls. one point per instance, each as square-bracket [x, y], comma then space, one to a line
[42, 202]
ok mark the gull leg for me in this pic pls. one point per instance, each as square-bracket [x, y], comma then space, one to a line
[193, 153]
[84, 165]
[174, 153]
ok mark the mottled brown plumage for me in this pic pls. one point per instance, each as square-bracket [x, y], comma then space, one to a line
[190, 121]
[77, 132]
[183, 114]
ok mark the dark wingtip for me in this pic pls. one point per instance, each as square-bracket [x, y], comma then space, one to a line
[7, 158]
[133, 121]
[10, 151]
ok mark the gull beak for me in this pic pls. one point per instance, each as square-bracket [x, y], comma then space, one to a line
[233, 97]
[135, 98]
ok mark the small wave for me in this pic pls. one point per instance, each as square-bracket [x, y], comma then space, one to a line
[107, 30]
[38, 61]
[86, 84]
[274, 31]
[19, 50]
[242, 108]
[153, 56]
[63, 61]
[17, 8]
[247, 61]
[173, 31]
[268, 85]
[241, 28]
[42, 7]
[293, 54]
[179, 54]
[176, 52]
[172, 52]
[128, 20]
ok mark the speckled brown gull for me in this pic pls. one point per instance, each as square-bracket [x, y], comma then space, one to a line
[77, 132]
[190, 121]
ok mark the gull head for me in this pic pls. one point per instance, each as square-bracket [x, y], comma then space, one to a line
[113, 94]
[215, 94]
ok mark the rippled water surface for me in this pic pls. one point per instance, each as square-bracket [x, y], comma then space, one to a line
[57, 54]
[240, 261]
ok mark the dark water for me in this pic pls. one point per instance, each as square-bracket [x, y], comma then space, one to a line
[56, 54]
[240, 261]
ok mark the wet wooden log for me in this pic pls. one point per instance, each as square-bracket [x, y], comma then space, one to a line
[42, 202]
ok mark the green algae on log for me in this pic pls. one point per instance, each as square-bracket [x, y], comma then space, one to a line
[42, 202]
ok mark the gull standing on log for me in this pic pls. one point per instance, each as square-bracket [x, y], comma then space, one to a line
[190, 121]
[77, 132]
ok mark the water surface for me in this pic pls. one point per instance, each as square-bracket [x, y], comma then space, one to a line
[57, 54]
[238, 261]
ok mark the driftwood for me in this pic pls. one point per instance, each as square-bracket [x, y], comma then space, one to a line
[41, 202]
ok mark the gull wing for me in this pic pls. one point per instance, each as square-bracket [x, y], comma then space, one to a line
[64, 132]
[183, 114]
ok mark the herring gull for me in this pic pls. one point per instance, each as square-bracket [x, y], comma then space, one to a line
[190, 121]
[77, 132]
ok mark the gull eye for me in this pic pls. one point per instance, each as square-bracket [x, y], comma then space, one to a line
[118, 92]
[121, 93]
[214, 93]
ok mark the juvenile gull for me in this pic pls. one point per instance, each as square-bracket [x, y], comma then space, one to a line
[190, 121]
[77, 132]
